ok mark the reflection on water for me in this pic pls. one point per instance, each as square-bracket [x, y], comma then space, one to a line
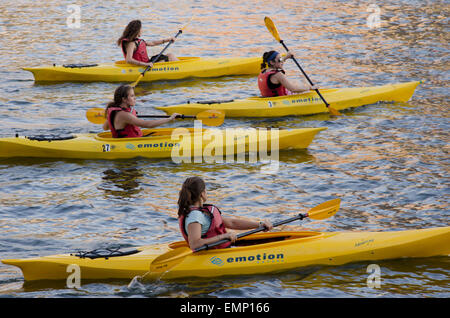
[387, 162]
[121, 182]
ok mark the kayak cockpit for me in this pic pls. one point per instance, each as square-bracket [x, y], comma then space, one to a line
[181, 59]
[267, 238]
[294, 96]
[146, 133]
[273, 237]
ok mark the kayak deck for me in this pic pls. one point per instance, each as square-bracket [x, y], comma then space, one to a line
[120, 71]
[256, 254]
[300, 104]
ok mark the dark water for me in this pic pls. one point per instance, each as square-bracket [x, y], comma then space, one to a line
[388, 162]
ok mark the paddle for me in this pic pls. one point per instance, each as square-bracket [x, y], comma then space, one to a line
[273, 30]
[170, 259]
[209, 117]
[160, 53]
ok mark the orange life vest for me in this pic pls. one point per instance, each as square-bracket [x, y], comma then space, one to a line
[267, 88]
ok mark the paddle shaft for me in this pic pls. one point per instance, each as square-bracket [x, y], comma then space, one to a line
[157, 57]
[300, 216]
[165, 116]
[208, 117]
[306, 76]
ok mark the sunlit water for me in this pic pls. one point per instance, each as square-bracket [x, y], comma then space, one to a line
[388, 162]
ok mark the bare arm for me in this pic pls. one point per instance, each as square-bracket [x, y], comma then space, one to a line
[195, 229]
[106, 125]
[158, 42]
[280, 78]
[196, 240]
[125, 118]
[245, 224]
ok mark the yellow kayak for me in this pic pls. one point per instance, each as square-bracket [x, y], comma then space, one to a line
[175, 143]
[123, 72]
[255, 254]
[301, 104]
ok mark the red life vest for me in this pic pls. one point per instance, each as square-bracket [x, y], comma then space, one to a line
[130, 131]
[216, 227]
[267, 88]
[140, 52]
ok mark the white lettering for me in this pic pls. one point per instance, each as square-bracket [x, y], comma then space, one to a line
[374, 279]
[197, 308]
[374, 20]
[74, 19]
[74, 279]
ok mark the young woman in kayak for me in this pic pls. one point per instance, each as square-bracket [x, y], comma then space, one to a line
[135, 49]
[272, 80]
[202, 223]
[121, 118]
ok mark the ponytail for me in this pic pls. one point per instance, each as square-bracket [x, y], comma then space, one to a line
[190, 193]
[267, 56]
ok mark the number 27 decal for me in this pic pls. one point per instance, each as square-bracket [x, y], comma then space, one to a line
[106, 147]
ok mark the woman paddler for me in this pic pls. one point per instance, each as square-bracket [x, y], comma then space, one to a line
[121, 117]
[135, 49]
[272, 80]
[202, 223]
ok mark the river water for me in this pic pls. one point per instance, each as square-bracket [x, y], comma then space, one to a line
[388, 162]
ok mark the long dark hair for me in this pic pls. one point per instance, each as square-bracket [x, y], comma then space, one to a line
[131, 31]
[121, 92]
[264, 63]
[190, 193]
